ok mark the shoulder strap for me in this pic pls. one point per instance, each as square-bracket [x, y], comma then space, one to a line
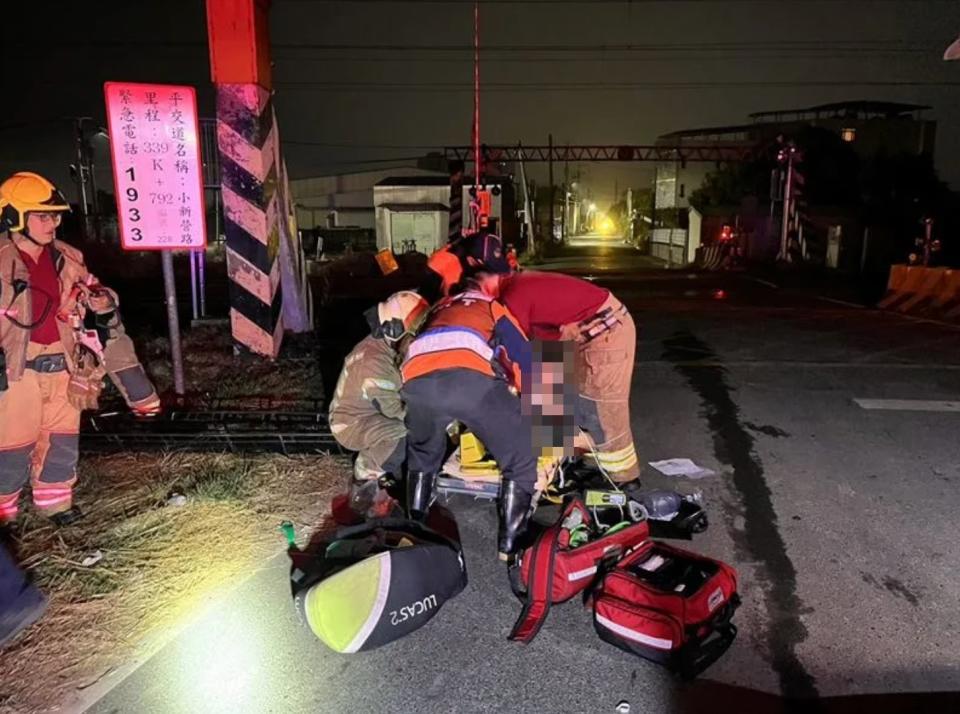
[539, 595]
[414, 528]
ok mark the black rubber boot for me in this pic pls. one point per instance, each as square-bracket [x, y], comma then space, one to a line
[419, 494]
[362, 495]
[514, 509]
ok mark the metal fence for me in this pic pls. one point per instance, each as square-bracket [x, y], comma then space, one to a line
[669, 244]
[209, 156]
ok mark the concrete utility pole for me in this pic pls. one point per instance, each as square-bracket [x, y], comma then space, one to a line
[529, 205]
[81, 174]
[553, 190]
[477, 159]
[788, 153]
[269, 291]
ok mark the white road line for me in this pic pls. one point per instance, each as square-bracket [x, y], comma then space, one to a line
[910, 405]
[845, 303]
[763, 282]
[799, 364]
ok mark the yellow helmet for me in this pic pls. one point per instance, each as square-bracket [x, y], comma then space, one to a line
[24, 192]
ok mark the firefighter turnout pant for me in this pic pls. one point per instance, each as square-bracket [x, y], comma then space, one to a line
[604, 372]
[380, 443]
[39, 436]
[485, 405]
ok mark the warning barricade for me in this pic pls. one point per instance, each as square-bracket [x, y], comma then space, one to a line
[719, 256]
[923, 292]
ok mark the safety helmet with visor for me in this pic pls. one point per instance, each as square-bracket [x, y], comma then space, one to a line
[26, 192]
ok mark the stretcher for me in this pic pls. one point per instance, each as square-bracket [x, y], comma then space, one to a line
[471, 471]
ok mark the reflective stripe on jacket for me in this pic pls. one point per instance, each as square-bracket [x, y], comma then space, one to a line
[119, 358]
[469, 331]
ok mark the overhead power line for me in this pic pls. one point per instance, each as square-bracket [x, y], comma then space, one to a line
[624, 3]
[596, 86]
[814, 45]
[579, 60]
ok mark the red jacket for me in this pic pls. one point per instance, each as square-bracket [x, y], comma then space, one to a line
[542, 302]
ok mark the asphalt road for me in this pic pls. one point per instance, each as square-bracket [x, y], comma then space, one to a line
[841, 521]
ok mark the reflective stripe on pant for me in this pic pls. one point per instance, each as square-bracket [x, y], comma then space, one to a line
[38, 439]
[484, 405]
[604, 375]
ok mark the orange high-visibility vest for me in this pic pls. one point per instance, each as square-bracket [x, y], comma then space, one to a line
[457, 335]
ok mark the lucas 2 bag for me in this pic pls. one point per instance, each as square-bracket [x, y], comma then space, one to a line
[376, 582]
[564, 561]
[668, 605]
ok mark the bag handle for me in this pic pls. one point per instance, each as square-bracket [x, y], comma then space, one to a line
[696, 656]
[538, 596]
[395, 524]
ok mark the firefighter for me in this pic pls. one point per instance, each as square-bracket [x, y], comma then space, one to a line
[60, 332]
[466, 366]
[450, 265]
[366, 413]
[554, 306]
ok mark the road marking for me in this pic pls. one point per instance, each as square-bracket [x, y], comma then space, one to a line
[910, 405]
[763, 282]
[845, 303]
[800, 364]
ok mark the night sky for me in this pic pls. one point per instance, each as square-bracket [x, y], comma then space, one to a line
[351, 91]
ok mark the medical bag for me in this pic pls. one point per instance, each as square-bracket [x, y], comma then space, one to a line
[668, 605]
[565, 560]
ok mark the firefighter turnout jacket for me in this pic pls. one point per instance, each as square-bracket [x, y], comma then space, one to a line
[16, 318]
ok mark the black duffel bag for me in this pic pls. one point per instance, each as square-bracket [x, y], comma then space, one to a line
[376, 582]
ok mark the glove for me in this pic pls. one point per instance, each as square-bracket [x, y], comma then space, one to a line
[83, 390]
[86, 380]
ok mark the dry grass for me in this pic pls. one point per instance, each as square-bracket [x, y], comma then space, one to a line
[159, 561]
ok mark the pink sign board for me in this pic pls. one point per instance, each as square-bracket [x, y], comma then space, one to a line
[154, 143]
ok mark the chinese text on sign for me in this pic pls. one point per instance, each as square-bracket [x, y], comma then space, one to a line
[156, 165]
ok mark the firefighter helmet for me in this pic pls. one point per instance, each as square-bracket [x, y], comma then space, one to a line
[400, 314]
[25, 192]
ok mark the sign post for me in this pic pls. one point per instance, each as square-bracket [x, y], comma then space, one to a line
[158, 179]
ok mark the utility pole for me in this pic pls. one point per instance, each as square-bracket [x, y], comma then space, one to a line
[553, 195]
[787, 154]
[529, 208]
[81, 175]
[477, 160]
